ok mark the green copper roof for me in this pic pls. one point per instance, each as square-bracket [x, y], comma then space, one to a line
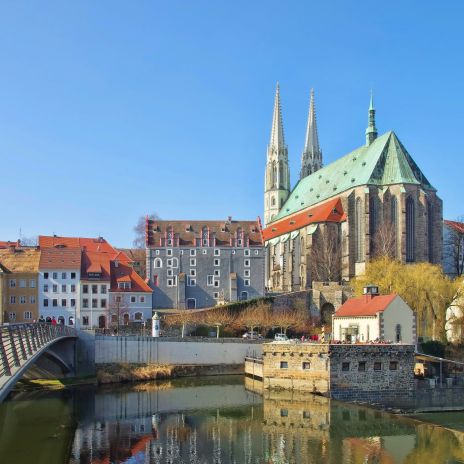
[384, 162]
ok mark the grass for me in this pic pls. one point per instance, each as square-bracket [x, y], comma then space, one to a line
[117, 373]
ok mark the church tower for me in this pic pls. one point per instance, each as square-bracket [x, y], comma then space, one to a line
[311, 159]
[277, 177]
[371, 131]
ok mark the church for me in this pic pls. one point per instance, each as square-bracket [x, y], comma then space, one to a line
[373, 201]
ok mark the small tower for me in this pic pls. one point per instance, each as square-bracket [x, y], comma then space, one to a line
[371, 131]
[277, 176]
[311, 159]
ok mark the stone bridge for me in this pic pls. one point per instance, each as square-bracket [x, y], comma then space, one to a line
[21, 345]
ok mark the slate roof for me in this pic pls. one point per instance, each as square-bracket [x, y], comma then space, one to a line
[365, 305]
[383, 162]
[60, 258]
[186, 232]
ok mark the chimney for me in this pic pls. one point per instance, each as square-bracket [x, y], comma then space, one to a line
[370, 292]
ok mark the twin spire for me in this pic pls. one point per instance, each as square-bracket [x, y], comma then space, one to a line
[277, 131]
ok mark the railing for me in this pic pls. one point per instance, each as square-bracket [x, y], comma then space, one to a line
[18, 342]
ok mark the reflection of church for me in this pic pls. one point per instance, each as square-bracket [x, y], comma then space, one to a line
[374, 200]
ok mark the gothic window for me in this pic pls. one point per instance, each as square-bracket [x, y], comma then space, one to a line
[281, 176]
[430, 229]
[410, 230]
[274, 175]
[273, 201]
[358, 224]
[394, 223]
[373, 221]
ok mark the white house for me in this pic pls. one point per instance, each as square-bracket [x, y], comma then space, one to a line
[59, 275]
[375, 317]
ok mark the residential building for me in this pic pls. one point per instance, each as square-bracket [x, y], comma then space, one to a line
[138, 259]
[19, 268]
[374, 200]
[374, 317]
[59, 284]
[196, 264]
[453, 248]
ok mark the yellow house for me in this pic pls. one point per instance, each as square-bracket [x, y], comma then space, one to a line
[19, 278]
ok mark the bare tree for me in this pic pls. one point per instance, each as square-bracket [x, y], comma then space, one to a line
[139, 230]
[384, 240]
[118, 307]
[219, 318]
[29, 241]
[453, 246]
[326, 255]
[289, 319]
[183, 318]
[251, 318]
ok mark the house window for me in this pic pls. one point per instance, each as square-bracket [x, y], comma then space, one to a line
[32, 299]
[169, 252]
[246, 282]
[63, 303]
[192, 282]
[239, 242]
[55, 288]
[32, 283]
[217, 262]
[362, 366]
[54, 302]
[45, 275]
[247, 252]
[85, 303]
[45, 287]
[210, 281]
[393, 365]
[45, 302]
[398, 332]
[204, 251]
[12, 283]
[103, 289]
[193, 272]
[12, 317]
[12, 299]
[193, 262]
[193, 252]
[217, 283]
[157, 252]
[306, 366]
[85, 320]
[63, 288]
[345, 366]
[247, 273]
[233, 252]
[377, 366]
[73, 288]
[172, 282]
[127, 285]
[217, 273]
[118, 299]
[216, 295]
[246, 263]
[55, 275]
[133, 299]
[63, 275]
[169, 262]
[158, 263]
[22, 300]
[217, 252]
[22, 283]
[103, 303]
[27, 315]
[85, 289]
[73, 275]
[283, 364]
[94, 288]
[73, 302]
[256, 252]
[94, 303]
[170, 272]
[142, 299]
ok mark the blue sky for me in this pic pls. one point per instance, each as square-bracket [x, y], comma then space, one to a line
[114, 109]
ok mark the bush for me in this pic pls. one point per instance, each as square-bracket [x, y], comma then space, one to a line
[434, 348]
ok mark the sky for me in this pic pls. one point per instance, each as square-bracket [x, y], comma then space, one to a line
[112, 110]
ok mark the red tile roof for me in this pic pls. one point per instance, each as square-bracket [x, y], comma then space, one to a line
[331, 211]
[96, 262]
[365, 305]
[60, 258]
[125, 273]
[458, 226]
[220, 233]
[7, 244]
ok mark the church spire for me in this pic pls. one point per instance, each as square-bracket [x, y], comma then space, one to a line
[311, 159]
[371, 131]
[277, 132]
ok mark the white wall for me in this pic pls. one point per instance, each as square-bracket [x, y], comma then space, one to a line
[168, 351]
[368, 327]
[398, 312]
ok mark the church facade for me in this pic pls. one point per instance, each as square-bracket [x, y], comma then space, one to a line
[373, 201]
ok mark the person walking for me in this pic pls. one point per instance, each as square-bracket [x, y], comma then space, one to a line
[53, 320]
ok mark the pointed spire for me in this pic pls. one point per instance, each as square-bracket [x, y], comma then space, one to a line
[371, 131]
[311, 159]
[277, 132]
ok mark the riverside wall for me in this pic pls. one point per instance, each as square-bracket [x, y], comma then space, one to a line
[174, 351]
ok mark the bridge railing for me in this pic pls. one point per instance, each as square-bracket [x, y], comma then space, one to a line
[18, 342]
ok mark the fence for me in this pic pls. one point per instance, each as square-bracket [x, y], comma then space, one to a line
[18, 342]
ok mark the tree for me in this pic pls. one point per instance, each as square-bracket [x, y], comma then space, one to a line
[289, 319]
[140, 230]
[252, 317]
[453, 246]
[423, 286]
[326, 255]
[118, 307]
[385, 240]
[183, 318]
[219, 318]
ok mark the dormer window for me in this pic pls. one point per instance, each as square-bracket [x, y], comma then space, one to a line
[124, 285]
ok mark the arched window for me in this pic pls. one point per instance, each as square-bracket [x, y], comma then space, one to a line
[410, 230]
[373, 221]
[358, 224]
[274, 175]
[394, 224]
[430, 230]
[281, 176]
[273, 201]
[174, 262]
[158, 263]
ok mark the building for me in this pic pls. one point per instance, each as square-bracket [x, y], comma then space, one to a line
[59, 278]
[374, 317]
[19, 267]
[374, 200]
[196, 264]
[453, 248]
[138, 259]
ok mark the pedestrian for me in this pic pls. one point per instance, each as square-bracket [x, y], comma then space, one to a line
[53, 320]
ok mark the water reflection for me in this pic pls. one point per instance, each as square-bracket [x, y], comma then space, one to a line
[212, 421]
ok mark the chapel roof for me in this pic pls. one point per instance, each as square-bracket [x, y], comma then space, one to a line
[384, 162]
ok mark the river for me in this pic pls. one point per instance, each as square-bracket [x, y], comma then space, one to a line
[211, 420]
